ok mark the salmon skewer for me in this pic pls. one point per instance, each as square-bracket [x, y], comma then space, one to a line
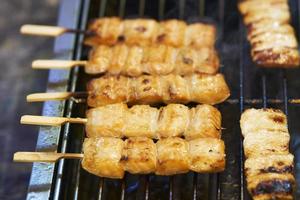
[117, 120]
[272, 38]
[269, 165]
[144, 32]
[111, 157]
[135, 61]
[207, 89]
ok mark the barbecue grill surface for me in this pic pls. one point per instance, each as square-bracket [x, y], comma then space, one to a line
[250, 87]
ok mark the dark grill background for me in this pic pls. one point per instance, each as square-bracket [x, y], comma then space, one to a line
[250, 87]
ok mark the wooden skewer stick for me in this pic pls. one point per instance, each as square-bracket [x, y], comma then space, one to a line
[44, 156]
[52, 31]
[39, 97]
[57, 64]
[50, 121]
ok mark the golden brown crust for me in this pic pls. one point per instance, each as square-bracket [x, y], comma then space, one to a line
[153, 60]
[207, 155]
[143, 32]
[172, 156]
[208, 89]
[117, 120]
[102, 157]
[110, 157]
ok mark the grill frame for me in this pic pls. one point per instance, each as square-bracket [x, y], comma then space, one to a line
[250, 86]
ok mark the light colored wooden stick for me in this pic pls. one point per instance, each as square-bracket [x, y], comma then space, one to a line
[39, 97]
[57, 64]
[50, 121]
[53, 31]
[44, 156]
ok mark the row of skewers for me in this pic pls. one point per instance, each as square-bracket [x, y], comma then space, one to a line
[170, 62]
[145, 63]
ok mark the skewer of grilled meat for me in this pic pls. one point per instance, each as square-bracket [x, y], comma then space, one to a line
[111, 157]
[154, 60]
[272, 38]
[117, 120]
[144, 32]
[269, 165]
[207, 89]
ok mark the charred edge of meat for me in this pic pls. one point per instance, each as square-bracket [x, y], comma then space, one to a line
[121, 38]
[274, 186]
[161, 37]
[124, 158]
[286, 169]
[278, 119]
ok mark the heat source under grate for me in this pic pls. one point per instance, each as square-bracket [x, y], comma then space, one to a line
[250, 87]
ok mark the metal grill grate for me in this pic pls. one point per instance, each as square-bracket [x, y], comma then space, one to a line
[250, 87]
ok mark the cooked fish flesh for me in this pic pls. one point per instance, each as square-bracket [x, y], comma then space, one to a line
[208, 89]
[117, 120]
[110, 157]
[144, 32]
[153, 60]
[269, 166]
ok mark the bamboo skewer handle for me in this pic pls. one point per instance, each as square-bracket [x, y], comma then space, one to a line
[39, 97]
[50, 121]
[44, 156]
[53, 31]
[57, 64]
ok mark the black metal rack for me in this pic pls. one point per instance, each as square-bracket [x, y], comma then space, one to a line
[250, 87]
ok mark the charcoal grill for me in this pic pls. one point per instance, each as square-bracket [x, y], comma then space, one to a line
[250, 86]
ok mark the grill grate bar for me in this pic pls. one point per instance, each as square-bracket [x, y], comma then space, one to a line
[102, 9]
[264, 91]
[241, 79]
[122, 8]
[142, 8]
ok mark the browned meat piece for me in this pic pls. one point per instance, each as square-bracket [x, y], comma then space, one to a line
[207, 155]
[102, 157]
[255, 120]
[205, 122]
[172, 156]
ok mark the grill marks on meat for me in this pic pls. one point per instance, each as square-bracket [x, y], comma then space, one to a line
[145, 32]
[111, 157]
[154, 60]
[272, 38]
[269, 165]
[173, 120]
[207, 89]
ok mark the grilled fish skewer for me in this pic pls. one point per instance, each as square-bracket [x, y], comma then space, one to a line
[110, 157]
[117, 120]
[269, 165]
[142, 32]
[272, 38]
[206, 89]
[135, 61]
